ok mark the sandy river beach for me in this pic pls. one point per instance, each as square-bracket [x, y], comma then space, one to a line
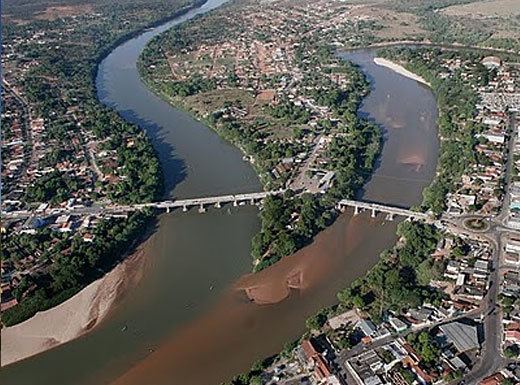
[400, 70]
[72, 318]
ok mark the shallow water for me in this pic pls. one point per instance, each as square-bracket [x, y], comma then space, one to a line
[189, 311]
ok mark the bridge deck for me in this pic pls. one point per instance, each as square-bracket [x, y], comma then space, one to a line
[203, 201]
[384, 208]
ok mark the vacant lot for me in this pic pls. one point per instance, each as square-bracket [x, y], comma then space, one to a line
[485, 8]
[50, 9]
[395, 25]
[52, 13]
[210, 101]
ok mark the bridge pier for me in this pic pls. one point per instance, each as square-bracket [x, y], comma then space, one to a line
[356, 210]
[218, 205]
[184, 208]
[201, 208]
[252, 201]
[168, 209]
[235, 203]
[390, 217]
[373, 213]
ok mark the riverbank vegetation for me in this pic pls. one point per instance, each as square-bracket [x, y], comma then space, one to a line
[295, 117]
[74, 149]
[59, 86]
[457, 99]
[75, 263]
[398, 282]
[401, 280]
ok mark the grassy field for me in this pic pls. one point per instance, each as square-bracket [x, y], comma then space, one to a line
[500, 8]
[395, 25]
[206, 102]
[50, 9]
[24, 10]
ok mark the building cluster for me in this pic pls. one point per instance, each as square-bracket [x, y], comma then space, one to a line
[264, 54]
[52, 160]
[26, 257]
[466, 277]
[351, 348]
[265, 40]
[389, 353]
[313, 361]
[400, 362]
[15, 144]
[482, 187]
[510, 374]
[510, 297]
[513, 194]
[40, 143]
[48, 137]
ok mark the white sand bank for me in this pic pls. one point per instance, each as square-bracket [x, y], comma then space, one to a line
[400, 70]
[66, 321]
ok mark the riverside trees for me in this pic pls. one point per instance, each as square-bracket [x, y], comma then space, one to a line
[456, 100]
[394, 283]
[76, 263]
[273, 110]
[52, 64]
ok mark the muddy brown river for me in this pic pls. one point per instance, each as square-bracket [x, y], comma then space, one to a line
[188, 320]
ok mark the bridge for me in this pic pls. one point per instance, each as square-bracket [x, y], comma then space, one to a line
[204, 202]
[375, 208]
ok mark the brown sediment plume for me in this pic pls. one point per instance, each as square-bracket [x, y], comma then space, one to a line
[251, 319]
[414, 154]
[298, 271]
[269, 291]
[417, 161]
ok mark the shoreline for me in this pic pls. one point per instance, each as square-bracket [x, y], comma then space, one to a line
[179, 105]
[84, 311]
[400, 70]
[93, 303]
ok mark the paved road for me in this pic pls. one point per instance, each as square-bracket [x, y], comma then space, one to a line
[491, 358]
[302, 181]
[203, 201]
[491, 355]
[29, 153]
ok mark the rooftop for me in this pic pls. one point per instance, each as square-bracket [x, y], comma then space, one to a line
[464, 337]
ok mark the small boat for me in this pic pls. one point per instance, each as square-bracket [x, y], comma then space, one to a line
[211, 287]
[124, 328]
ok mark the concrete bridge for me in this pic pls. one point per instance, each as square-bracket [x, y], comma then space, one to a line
[379, 208]
[167, 205]
[204, 202]
[216, 201]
